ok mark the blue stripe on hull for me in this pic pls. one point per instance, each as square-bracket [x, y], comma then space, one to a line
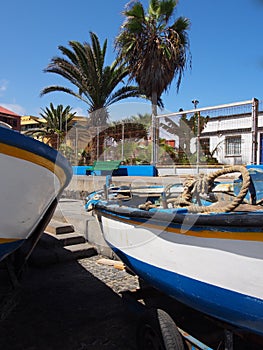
[240, 310]
[8, 248]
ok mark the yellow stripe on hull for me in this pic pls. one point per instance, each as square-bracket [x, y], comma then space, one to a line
[34, 158]
[240, 236]
[8, 240]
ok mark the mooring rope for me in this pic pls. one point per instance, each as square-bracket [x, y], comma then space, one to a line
[202, 184]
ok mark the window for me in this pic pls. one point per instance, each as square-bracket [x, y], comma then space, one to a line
[233, 146]
[205, 146]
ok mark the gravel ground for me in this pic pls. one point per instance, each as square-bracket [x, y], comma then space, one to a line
[117, 280]
[70, 306]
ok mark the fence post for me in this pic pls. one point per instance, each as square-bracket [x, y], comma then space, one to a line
[122, 141]
[198, 143]
[195, 103]
[254, 130]
[98, 143]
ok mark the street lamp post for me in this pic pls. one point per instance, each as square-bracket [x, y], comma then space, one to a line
[195, 103]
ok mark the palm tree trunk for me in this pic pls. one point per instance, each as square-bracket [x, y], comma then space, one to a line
[155, 129]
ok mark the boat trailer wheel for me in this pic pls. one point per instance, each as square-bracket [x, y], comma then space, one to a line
[157, 331]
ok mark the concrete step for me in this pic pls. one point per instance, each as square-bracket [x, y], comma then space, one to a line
[81, 251]
[71, 239]
[49, 240]
[43, 256]
[57, 228]
[66, 239]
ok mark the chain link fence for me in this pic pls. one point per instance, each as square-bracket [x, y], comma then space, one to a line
[227, 134]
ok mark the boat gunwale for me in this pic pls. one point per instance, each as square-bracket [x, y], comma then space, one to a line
[231, 219]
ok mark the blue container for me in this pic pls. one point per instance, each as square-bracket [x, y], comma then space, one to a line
[136, 170]
[81, 169]
[123, 170]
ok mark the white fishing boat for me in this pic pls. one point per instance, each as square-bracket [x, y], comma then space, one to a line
[33, 176]
[203, 247]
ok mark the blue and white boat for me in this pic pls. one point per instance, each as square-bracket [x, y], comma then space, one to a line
[207, 255]
[33, 176]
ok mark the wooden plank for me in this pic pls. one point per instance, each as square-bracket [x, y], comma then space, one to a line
[109, 262]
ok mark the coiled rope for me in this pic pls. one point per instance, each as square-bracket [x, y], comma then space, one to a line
[202, 184]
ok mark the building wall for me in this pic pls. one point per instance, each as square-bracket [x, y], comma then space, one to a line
[12, 120]
[221, 129]
[29, 122]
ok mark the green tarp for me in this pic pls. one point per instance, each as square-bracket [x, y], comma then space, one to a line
[105, 165]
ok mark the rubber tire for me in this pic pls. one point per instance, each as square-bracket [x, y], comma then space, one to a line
[157, 330]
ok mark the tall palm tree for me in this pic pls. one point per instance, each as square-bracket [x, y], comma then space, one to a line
[155, 50]
[57, 122]
[83, 65]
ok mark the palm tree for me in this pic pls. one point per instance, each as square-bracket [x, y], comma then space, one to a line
[97, 85]
[154, 51]
[57, 122]
[144, 119]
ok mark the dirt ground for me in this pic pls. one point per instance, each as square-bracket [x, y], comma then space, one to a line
[66, 307]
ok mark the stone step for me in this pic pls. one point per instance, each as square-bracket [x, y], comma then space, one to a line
[67, 239]
[43, 256]
[57, 228]
[49, 240]
[71, 239]
[81, 251]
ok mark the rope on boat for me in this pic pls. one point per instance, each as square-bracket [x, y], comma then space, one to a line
[147, 205]
[202, 184]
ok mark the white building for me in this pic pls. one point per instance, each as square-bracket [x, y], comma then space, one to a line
[235, 139]
[233, 133]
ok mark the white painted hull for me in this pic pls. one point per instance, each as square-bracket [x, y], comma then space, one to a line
[31, 180]
[218, 276]
[27, 191]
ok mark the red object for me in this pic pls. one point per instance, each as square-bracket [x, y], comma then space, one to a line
[11, 118]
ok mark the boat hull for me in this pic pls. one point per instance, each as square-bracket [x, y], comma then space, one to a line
[216, 269]
[33, 175]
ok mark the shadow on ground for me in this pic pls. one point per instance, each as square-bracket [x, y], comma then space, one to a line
[64, 306]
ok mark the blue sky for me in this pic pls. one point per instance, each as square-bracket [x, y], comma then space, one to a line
[225, 42]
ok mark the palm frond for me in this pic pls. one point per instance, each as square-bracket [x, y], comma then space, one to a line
[154, 50]
[83, 65]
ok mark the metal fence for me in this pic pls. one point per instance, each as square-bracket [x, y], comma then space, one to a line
[126, 141]
[225, 134]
